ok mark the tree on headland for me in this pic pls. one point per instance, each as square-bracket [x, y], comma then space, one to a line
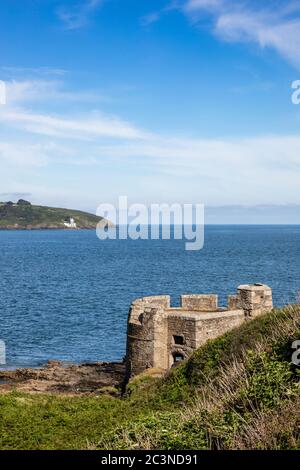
[22, 202]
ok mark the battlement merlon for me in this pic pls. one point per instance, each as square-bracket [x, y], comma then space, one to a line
[199, 302]
[145, 304]
[255, 299]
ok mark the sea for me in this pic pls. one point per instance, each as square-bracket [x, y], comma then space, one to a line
[65, 295]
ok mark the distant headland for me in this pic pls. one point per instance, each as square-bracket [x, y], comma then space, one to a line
[22, 215]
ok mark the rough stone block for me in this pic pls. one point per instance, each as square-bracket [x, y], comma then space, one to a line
[200, 302]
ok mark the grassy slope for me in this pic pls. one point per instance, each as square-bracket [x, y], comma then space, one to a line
[238, 391]
[43, 216]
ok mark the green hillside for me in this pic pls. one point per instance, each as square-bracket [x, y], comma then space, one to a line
[240, 391]
[23, 215]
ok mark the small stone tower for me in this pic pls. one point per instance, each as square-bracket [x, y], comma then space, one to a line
[159, 336]
[254, 299]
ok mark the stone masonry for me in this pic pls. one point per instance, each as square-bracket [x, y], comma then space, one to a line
[159, 336]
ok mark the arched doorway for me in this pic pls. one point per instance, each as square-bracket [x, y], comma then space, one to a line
[177, 358]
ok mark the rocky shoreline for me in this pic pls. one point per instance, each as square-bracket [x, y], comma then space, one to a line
[65, 378]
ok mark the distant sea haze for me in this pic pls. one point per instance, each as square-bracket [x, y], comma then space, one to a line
[286, 214]
[65, 294]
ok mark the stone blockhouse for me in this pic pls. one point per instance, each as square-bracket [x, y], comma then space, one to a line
[159, 336]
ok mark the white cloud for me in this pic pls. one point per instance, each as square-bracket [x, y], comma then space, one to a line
[251, 171]
[194, 5]
[29, 71]
[217, 171]
[24, 155]
[83, 128]
[86, 126]
[151, 18]
[248, 171]
[156, 15]
[77, 16]
[268, 25]
[36, 90]
[214, 171]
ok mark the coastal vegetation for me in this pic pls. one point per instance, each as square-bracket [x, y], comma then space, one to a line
[24, 215]
[239, 391]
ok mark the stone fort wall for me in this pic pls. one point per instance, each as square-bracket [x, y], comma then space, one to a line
[159, 335]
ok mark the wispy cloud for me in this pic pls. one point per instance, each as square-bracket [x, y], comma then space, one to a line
[152, 17]
[195, 5]
[82, 128]
[31, 71]
[37, 90]
[268, 24]
[211, 170]
[156, 15]
[215, 171]
[23, 154]
[77, 16]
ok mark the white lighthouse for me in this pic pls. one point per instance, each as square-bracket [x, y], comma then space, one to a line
[70, 223]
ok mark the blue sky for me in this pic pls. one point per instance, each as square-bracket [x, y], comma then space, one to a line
[159, 100]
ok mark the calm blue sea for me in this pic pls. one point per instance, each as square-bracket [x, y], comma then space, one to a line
[65, 294]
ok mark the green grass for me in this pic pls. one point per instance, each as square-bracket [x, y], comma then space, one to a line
[54, 422]
[239, 391]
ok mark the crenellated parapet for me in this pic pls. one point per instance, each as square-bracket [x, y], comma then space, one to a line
[199, 302]
[160, 335]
